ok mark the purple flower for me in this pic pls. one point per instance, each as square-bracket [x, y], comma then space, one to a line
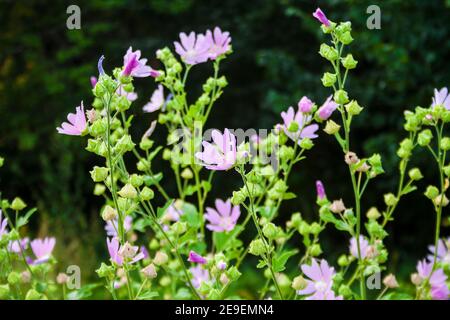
[219, 42]
[443, 251]
[173, 212]
[156, 101]
[42, 249]
[305, 105]
[327, 109]
[304, 130]
[77, 123]
[223, 217]
[199, 275]
[3, 225]
[441, 97]
[319, 15]
[100, 66]
[93, 81]
[320, 189]
[114, 250]
[437, 280]
[363, 246]
[196, 258]
[136, 67]
[112, 226]
[318, 286]
[193, 49]
[222, 154]
[131, 96]
[18, 246]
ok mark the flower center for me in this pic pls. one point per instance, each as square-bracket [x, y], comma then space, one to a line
[320, 286]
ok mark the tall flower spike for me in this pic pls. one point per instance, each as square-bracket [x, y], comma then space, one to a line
[222, 154]
[77, 123]
[193, 48]
[222, 218]
[319, 15]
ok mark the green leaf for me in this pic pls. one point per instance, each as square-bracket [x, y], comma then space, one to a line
[190, 190]
[148, 295]
[24, 219]
[224, 240]
[261, 264]
[279, 260]
[154, 153]
[190, 215]
[289, 196]
[151, 180]
[408, 189]
[160, 211]
[84, 292]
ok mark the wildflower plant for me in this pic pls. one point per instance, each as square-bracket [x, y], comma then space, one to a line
[191, 247]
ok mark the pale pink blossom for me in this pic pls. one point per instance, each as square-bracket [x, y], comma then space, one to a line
[199, 275]
[305, 130]
[327, 109]
[114, 250]
[156, 101]
[77, 123]
[363, 246]
[222, 154]
[111, 226]
[193, 48]
[3, 225]
[219, 42]
[223, 217]
[134, 66]
[42, 249]
[441, 97]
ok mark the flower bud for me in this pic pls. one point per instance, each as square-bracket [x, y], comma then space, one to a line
[33, 295]
[179, 227]
[99, 174]
[136, 180]
[128, 192]
[432, 192]
[416, 279]
[305, 105]
[270, 230]
[331, 127]
[4, 291]
[445, 144]
[441, 200]
[109, 213]
[304, 228]
[238, 198]
[349, 62]
[415, 174]
[14, 278]
[167, 154]
[124, 144]
[343, 261]
[353, 108]
[128, 251]
[18, 204]
[257, 247]
[306, 144]
[373, 213]
[150, 271]
[390, 281]
[328, 52]
[299, 283]
[187, 174]
[328, 79]
[233, 273]
[341, 97]
[25, 276]
[224, 279]
[99, 189]
[62, 278]
[351, 158]
[337, 206]
[160, 258]
[147, 194]
[424, 137]
[390, 199]
[98, 127]
[315, 250]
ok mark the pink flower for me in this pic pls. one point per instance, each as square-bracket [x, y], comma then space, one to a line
[3, 225]
[131, 96]
[437, 280]
[223, 217]
[305, 105]
[320, 189]
[219, 42]
[196, 258]
[441, 97]
[77, 123]
[193, 49]
[222, 154]
[320, 281]
[18, 246]
[327, 109]
[363, 246]
[304, 130]
[199, 275]
[112, 226]
[93, 81]
[114, 249]
[136, 67]
[42, 249]
[319, 15]
[443, 251]
[172, 213]
[156, 101]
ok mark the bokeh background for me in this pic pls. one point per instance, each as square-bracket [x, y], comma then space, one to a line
[45, 70]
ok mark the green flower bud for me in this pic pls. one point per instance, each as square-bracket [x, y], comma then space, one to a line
[124, 144]
[328, 52]
[222, 82]
[267, 171]
[432, 192]
[14, 278]
[4, 291]
[99, 189]
[18, 204]
[343, 261]
[167, 154]
[270, 230]
[146, 144]
[179, 227]
[238, 198]
[2, 161]
[33, 295]
[349, 62]
[345, 38]
[353, 108]
[424, 137]
[136, 180]
[390, 199]
[109, 213]
[105, 271]
[331, 127]
[143, 165]
[233, 273]
[99, 174]
[98, 128]
[154, 244]
[445, 144]
[315, 228]
[447, 170]
[128, 192]
[257, 247]
[296, 219]
[373, 213]
[293, 126]
[306, 144]
[328, 79]
[341, 96]
[415, 174]
[147, 194]
[286, 153]
[304, 228]
[345, 291]
[187, 174]
[299, 283]
[315, 250]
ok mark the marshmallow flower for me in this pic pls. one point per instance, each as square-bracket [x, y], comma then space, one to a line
[319, 15]
[156, 101]
[42, 249]
[441, 97]
[437, 280]
[318, 286]
[193, 49]
[320, 189]
[363, 246]
[111, 227]
[3, 225]
[77, 123]
[304, 130]
[223, 218]
[136, 67]
[199, 275]
[218, 42]
[114, 250]
[327, 109]
[443, 251]
[196, 258]
[222, 154]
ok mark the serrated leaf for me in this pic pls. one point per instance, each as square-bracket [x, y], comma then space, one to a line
[279, 260]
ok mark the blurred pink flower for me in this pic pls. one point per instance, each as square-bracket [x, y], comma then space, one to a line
[193, 49]
[441, 97]
[18, 246]
[136, 67]
[224, 217]
[172, 213]
[196, 258]
[443, 251]
[219, 42]
[363, 246]
[42, 249]
[304, 130]
[319, 15]
[320, 281]
[222, 154]
[93, 81]
[77, 123]
[131, 96]
[305, 105]
[156, 101]
[320, 189]
[437, 280]
[114, 248]
[112, 226]
[199, 275]
[327, 109]
[3, 225]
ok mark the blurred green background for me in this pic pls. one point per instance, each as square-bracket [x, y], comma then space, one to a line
[45, 70]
